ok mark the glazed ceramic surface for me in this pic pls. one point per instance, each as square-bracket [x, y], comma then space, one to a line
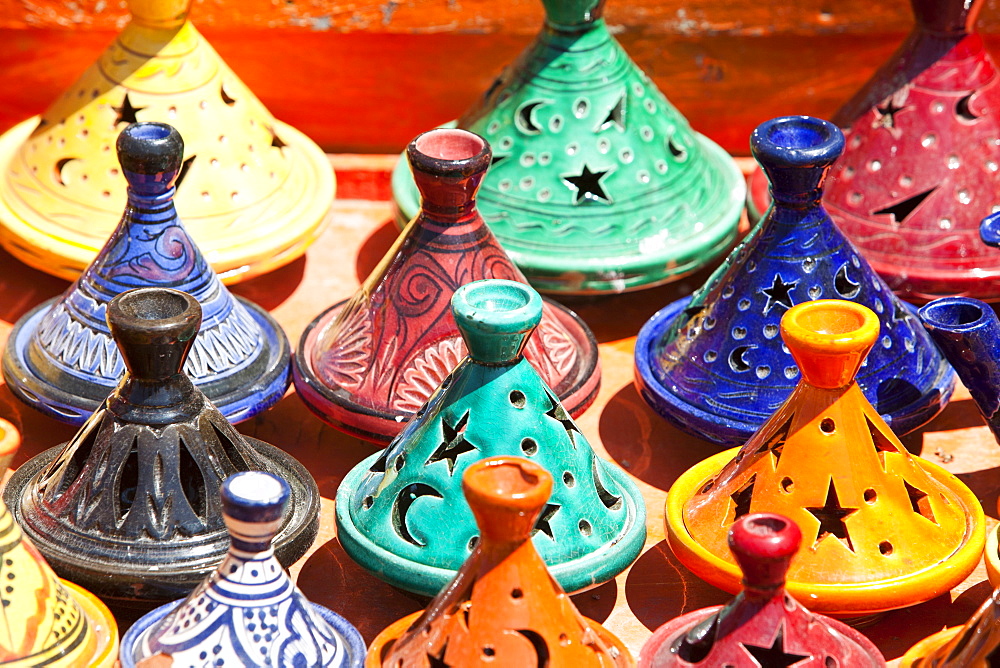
[968, 333]
[885, 529]
[367, 364]
[45, 621]
[763, 625]
[714, 365]
[598, 184]
[130, 506]
[254, 191]
[391, 507]
[248, 613]
[973, 645]
[920, 167]
[60, 357]
[502, 607]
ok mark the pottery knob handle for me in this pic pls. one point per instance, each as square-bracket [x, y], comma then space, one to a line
[159, 13]
[946, 16]
[989, 230]
[253, 508]
[764, 544]
[448, 166]
[495, 318]
[150, 155]
[796, 153]
[10, 441]
[572, 14]
[829, 339]
[506, 495]
[154, 329]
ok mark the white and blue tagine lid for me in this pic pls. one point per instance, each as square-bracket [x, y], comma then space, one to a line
[248, 613]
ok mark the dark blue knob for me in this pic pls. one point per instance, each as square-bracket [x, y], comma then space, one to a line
[796, 153]
[150, 155]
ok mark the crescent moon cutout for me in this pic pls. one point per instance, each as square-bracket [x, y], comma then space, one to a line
[524, 121]
[736, 361]
[962, 108]
[541, 648]
[402, 504]
[60, 166]
[844, 285]
[610, 501]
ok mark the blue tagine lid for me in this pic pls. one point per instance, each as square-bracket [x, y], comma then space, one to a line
[248, 613]
[60, 357]
[714, 365]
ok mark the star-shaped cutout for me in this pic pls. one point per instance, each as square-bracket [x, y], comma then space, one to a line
[774, 656]
[776, 444]
[588, 186]
[881, 442]
[831, 518]
[126, 112]
[919, 501]
[778, 293]
[454, 444]
[887, 114]
[544, 518]
[616, 116]
[559, 414]
[276, 141]
[743, 498]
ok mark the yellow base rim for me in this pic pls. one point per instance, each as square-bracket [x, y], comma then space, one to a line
[836, 600]
[103, 623]
[234, 262]
[927, 645]
[992, 554]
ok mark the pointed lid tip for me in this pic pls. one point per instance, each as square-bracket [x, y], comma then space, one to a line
[796, 152]
[255, 497]
[159, 13]
[150, 155]
[956, 17]
[764, 544]
[495, 318]
[449, 152]
[829, 338]
[506, 495]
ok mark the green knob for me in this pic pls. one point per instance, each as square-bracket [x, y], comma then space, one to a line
[495, 318]
[572, 14]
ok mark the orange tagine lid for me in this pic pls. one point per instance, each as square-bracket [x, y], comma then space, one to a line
[253, 192]
[882, 529]
[46, 621]
[503, 608]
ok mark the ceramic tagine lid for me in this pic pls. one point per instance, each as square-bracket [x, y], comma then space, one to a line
[922, 163]
[391, 506]
[763, 625]
[130, 506]
[598, 184]
[368, 363]
[60, 357]
[46, 621]
[248, 612]
[253, 191]
[885, 529]
[713, 364]
[974, 645]
[502, 607]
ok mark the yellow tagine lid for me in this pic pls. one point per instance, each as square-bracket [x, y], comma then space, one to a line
[254, 192]
[882, 529]
[46, 621]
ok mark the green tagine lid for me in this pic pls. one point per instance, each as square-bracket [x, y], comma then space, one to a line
[598, 184]
[401, 513]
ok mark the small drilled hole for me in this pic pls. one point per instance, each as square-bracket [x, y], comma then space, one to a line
[585, 528]
[830, 662]
[399, 462]
[489, 651]
[517, 399]
[827, 426]
[569, 479]
[516, 593]
[787, 484]
[870, 495]
[563, 639]
[367, 503]
[528, 446]
[707, 487]
[472, 543]
[885, 547]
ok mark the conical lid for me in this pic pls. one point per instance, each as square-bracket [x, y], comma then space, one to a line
[922, 163]
[503, 606]
[391, 506]
[714, 365]
[367, 364]
[975, 645]
[763, 621]
[130, 506]
[45, 621]
[885, 529]
[598, 184]
[254, 191]
[60, 357]
[248, 612]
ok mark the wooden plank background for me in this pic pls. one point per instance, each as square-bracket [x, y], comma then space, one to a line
[367, 77]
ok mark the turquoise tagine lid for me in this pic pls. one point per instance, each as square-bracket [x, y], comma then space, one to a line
[598, 184]
[391, 508]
